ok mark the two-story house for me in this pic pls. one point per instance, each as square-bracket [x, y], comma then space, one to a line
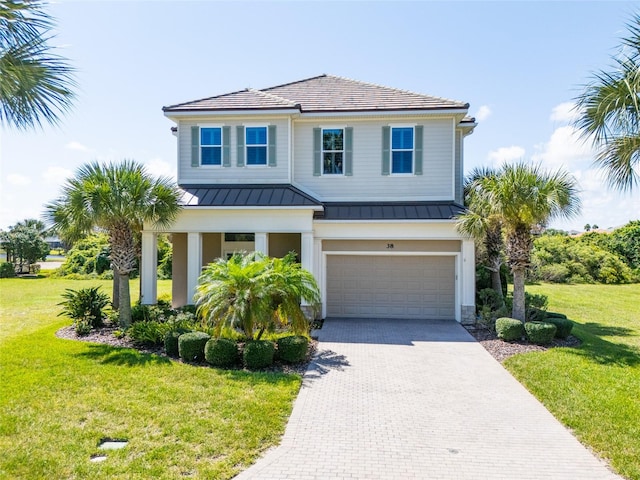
[361, 180]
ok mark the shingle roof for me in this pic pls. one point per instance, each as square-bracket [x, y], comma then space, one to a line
[390, 211]
[325, 93]
[280, 195]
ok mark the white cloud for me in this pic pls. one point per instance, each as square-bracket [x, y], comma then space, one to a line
[483, 113]
[505, 154]
[56, 175]
[161, 168]
[564, 150]
[18, 180]
[73, 145]
[565, 112]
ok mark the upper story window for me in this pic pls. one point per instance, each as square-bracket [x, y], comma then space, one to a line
[256, 141]
[211, 146]
[402, 150]
[332, 151]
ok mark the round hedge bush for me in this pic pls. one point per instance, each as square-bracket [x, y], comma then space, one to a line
[171, 341]
[221, 352]
[540, 333]
[258, 354]
[509, 329]
[293, 349]
[191, 346]
[563, 326]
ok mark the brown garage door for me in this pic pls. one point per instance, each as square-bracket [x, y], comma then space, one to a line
[391, 286]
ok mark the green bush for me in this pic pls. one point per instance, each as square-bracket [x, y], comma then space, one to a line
[191, 346]
[82, 327]
[509, 329]
[540, 333]
[221, 352]
[150, 333]
[171, 341]
[7, 270]
[556, 315]
[258, 354]
[563, 326]
[293, 349]
[85, 304]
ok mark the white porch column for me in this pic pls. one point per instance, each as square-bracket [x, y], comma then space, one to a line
[149, 268]
[468, 293]
[194, 263]
[262, 242]
[306, 260]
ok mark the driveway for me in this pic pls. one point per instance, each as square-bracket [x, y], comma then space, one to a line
[389, 399]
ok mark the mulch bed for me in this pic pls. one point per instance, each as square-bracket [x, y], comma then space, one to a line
[105, 335]
[501, 350]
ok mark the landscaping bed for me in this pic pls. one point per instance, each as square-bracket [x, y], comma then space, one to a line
[501, 350]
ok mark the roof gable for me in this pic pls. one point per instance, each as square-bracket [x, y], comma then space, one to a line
[324, 93]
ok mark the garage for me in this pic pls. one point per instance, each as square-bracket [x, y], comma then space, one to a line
[390, 286]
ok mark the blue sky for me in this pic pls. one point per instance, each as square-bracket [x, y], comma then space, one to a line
[519, 65]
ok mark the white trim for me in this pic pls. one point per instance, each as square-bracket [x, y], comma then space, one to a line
[290, 155]
[453, 161]
[385, 113]
[457, 272]
[195, 113]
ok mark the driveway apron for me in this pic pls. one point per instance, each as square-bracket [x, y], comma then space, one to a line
[405, 399]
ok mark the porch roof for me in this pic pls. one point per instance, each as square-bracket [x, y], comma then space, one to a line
[267, 195]
[389, 211]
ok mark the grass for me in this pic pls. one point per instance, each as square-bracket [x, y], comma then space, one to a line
[594, 389]
[60, 398]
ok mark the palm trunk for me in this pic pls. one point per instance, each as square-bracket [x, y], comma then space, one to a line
[124, 309]
[518, 295]
[496, 283]
[115, 293]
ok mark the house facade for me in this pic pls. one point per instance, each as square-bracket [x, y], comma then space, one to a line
[361, 181]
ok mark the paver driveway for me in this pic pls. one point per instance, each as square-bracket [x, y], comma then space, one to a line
[389, 399]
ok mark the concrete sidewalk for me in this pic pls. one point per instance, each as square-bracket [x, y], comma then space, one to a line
[418, 400]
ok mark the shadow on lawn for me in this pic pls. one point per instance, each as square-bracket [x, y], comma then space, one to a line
[122, 356]
[605, 352]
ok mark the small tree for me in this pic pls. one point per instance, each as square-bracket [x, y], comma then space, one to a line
[24, 246]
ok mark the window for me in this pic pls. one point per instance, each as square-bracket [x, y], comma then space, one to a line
[402, 150]
[332, 151]
[256, 141]
[211, 146]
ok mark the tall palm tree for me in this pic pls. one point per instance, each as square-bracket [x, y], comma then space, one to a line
[250, 292]
[118, 199]
[609, 110]
[522, 198]
[477, 222]
[35, 84]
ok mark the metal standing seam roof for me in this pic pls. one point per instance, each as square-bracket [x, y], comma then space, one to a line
[324, 93]
[284, 195]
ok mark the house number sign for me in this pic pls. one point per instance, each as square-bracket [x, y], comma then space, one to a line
[389, 246]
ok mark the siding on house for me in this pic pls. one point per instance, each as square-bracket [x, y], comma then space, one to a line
[233, 174]
[367, 181]
[459, 174]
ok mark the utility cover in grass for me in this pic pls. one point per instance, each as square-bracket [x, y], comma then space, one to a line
[112, 444]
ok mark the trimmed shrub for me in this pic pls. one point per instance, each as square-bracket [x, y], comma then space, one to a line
[171, 341]
[221, 352]
[509, 329]
[191, 346]
[556, 315]
[148, 333]
[7, 270]
[293, 349]
[540, 333]
[563, 326]
[258, 354]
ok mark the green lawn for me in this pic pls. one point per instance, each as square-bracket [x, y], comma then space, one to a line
[59, 398]
[593, 389]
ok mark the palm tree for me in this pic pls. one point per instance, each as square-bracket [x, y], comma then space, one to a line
[477, 222]
[522, 198]
[118, 199]
[250, 292]
[610, 114]
[35, 84]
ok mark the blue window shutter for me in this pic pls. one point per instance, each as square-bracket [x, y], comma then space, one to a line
[348, 151]
[317, 152]
[272, 145]
[386, 150]
[240, 135]
[195, 146]
[226, 146]
[418, 149]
